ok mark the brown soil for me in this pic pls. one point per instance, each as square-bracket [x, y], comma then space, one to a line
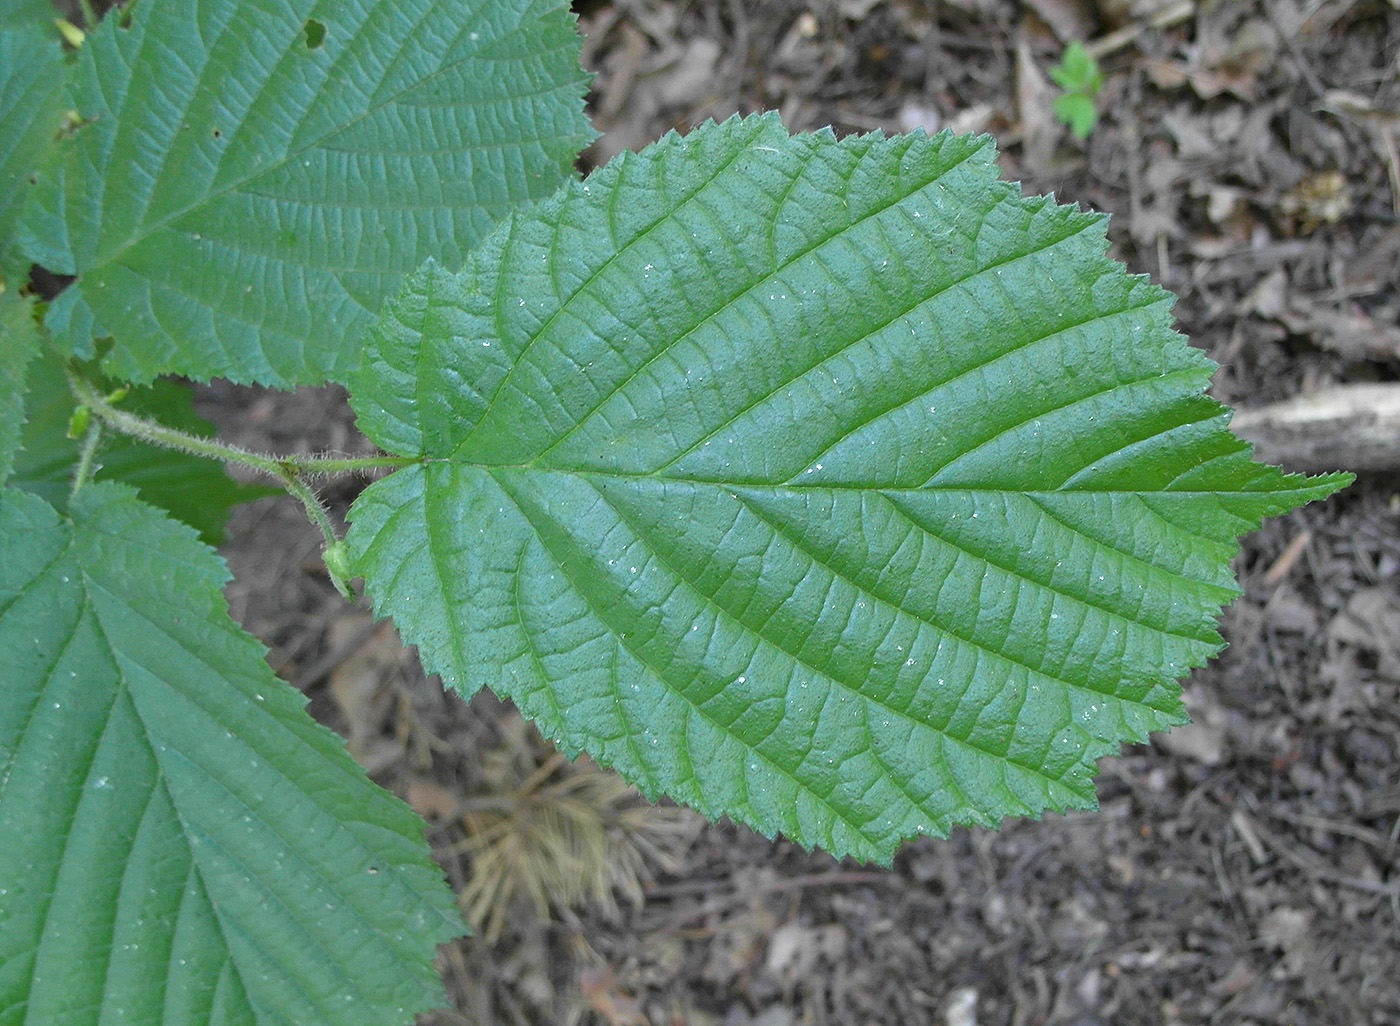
[1243, 870]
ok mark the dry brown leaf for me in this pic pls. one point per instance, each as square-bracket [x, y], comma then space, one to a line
[1268, 299]
[1360, 109]
[1122, 12]
[1194, 139]
[358, 686]
[795, 950]
[1319, 199]
[647, 82]
[1289, 930]
[606, 996]
[431, 800]
[857, 10]
[1229, 57]
[1203, 739]
[961, 1007]
[1352, 333]
[1288, 613]
[976, 8]
[1035, 99]
[1378, 267]
[1371, 621]
[1070, 20]
[736, 946]
[1383, 126]
[918, 116]
[1223, 202]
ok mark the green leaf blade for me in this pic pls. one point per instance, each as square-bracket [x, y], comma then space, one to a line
[32, 77]
[18, 14]
[20, 342]
[242, 211]
[184, 843]
[1077, 112]
[833, 486]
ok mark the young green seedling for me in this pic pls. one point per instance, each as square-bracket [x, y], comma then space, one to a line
[1079, 77]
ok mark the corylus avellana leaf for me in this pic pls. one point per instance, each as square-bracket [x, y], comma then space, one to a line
[183, 843]
[834, 486]
[248, 179]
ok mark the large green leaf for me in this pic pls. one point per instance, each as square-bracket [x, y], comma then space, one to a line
[26, 14]
[31, 113]
[19, 344]
[183, 844]
[253, 177]
[191, 488]
[833, 486]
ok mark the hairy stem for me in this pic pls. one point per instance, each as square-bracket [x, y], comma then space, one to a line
[291, 471]
[82, 473]
[309, 499]
[280, 467]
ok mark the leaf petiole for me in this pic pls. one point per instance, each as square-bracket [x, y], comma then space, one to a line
[82, 473]
[291, 471]
[316, 513]
[275, 466]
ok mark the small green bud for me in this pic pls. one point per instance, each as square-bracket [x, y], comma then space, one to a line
[337, 560]
[78, 423]
[72, 35]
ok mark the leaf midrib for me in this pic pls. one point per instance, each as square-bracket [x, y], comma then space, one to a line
[188, 829]
[564, 566]
[941, 628]
[852, 486]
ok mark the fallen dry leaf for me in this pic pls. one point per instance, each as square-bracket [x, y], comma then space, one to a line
[1371, 621]
[607, 997]
[1070, 20]
[1203, 739]
[1035, 98]
[431, 800]
[1323, 198]
[358, 683]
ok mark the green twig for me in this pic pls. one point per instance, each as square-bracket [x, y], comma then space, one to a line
[334, 552]
[291, 471]
[272, 465]
[308, 498]
[87, 455]
[345, 464]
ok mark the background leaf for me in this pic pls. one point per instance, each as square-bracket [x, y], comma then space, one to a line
[195, 490]
[19, 344]
[833, 486]
[26, 14]
[241, 209]
[183, 844]
[1077, 112]
[32, 76]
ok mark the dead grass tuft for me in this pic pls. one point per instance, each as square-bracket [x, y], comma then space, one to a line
[558, 834]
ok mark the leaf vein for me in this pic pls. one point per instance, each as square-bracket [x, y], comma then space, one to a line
[811, 249]
[642, 658]
[802, 661]
[619, 251]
